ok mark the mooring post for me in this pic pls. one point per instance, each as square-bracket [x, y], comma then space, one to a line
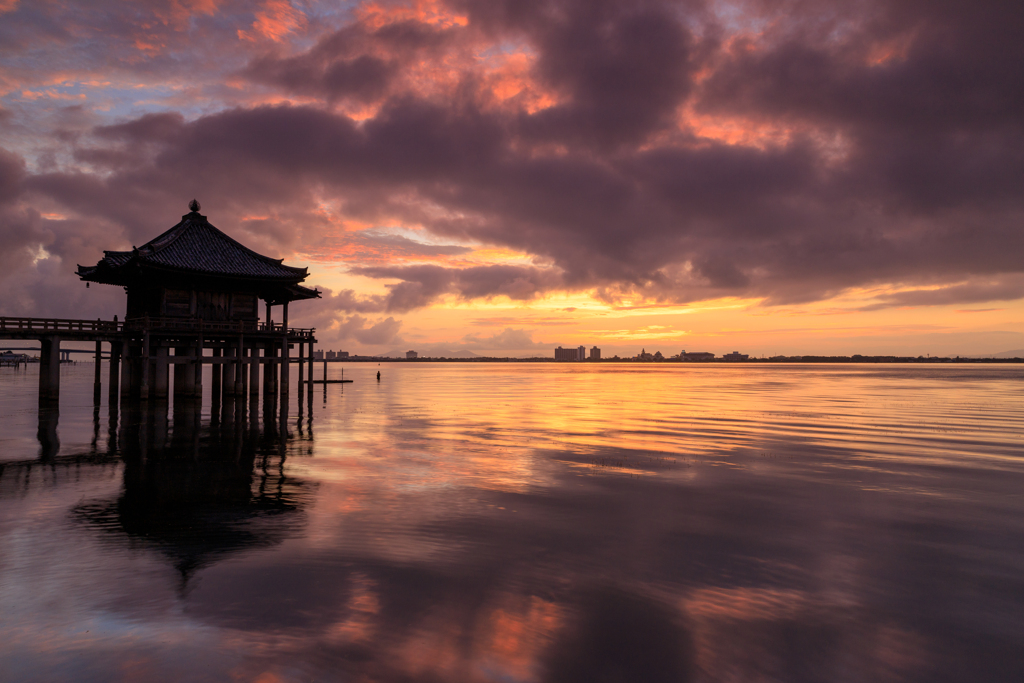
[97, 388]
[302, 366]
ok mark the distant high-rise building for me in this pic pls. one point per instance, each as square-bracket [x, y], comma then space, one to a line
[331, 355]
[735, 355]
[318, 355]
[342, 354]
[579, 353]
[595, 353]
[411, 354]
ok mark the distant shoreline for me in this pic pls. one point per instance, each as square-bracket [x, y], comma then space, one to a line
[761, 361]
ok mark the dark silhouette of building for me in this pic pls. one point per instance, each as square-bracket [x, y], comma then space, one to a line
[196, 271]
[193, 300]
[579, 353]
[595, 353]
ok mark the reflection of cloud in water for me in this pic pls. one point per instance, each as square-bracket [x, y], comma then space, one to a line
[696, 540]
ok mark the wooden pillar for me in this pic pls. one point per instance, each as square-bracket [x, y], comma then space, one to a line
[285, 361]
[240, 367]
[229, 373]
[309, 387]
[161, 370]
[144, 362]
[302, 365]
[97, 386]
[179, 370]
[270, 369]
[114, 376]
[215, 375]
[49, 369]
[189, 371]
[198, 386]
[254, 373]
[127, 368]
[243, 369]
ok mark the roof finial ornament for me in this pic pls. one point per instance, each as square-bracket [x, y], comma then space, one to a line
[193, 206]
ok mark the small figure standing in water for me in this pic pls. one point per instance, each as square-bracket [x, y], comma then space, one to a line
[378, 375]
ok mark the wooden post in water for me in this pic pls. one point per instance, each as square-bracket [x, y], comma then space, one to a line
[197, 387]
[285, 363]
[161, 370]
[97, 387]
[254, 373]
[114, 372]
[229, 373]
[240, 366]
[215, 375]
[49, 369]
[144, 383]
[309, 387]
[127, 368]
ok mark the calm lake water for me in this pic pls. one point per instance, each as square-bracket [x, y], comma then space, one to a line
[523, 522]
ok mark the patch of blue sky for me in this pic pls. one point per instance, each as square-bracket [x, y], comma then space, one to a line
[732, 16]
[505, 48]
[418, 235]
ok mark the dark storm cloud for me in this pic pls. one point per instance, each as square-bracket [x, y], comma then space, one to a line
[421, 285]
[356, 62]
[623, 67]
[896, 153]
[972, 292]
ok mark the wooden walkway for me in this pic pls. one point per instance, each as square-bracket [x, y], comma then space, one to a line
[143, 351]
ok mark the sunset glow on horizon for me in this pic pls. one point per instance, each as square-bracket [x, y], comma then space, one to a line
[503, 177]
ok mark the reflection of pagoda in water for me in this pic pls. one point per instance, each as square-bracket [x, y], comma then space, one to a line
[197, 493]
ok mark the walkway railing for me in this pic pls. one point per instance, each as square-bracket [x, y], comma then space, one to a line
[225, 326]
[57, 324]
[166, 324]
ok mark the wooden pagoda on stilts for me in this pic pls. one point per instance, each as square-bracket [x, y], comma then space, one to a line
[193, 300]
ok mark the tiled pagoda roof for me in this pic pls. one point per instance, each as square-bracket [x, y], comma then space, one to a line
[196, 246]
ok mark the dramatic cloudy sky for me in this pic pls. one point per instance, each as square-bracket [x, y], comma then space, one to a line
[502, 176]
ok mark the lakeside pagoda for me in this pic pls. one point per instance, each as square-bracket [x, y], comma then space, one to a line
[193, 300]
[195, 271]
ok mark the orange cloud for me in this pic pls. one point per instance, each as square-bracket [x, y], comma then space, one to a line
[51, 94]
[275, 21]
[376, 15]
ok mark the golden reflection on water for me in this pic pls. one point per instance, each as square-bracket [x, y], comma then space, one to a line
[525, 522]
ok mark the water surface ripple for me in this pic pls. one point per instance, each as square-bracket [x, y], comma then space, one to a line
[522, 522]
